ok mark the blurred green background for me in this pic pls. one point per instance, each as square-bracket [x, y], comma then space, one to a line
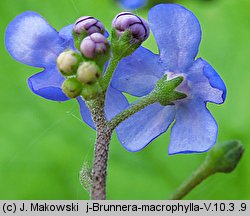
[43, 143]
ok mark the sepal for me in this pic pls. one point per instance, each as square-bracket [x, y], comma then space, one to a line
[122, 46]
[165, 90]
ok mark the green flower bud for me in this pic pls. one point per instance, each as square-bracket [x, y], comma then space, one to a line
[91, 92]
[72, 87]
[67, 62]
[225, 157]
[88, 73]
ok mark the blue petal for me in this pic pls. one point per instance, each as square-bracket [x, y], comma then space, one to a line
[66, 32]
[195, 129]
[214, 79]
[136, 132]
[48, 84]
[85, 113]
[32, 41]
[115, 103]
[177, 33]
[106, 34]
[133, 4]
[137, 74]
[206, 83]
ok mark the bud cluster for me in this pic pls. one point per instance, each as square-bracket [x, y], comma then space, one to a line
[83, 68]
[79, 73]
[89, 33]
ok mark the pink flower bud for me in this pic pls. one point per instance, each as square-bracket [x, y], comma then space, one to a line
[93, 45]
[88, 24]
[127, 21]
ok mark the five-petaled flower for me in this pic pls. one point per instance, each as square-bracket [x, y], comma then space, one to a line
[177, 33]
[32, 41]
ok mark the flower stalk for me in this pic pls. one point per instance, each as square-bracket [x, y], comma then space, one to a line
[99, 173]
[194, 180]
[164, 93]
[137, 106]
[109, 72]
[103, 137]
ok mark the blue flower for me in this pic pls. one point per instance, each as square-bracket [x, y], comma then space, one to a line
[32, 41]
[133, 4]
[177, 33]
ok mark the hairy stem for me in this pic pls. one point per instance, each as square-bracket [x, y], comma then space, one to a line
[103, 137]
[99, 174]
[137, 106]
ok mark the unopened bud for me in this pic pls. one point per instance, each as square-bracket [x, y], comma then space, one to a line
[138, 27]
[94, 45]
[67, 62]
[72, 87]
[88, 24]
[91, 92]
[224, 157]
[88, 72]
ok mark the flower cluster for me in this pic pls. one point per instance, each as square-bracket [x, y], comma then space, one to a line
[75, 63]
[80, 69]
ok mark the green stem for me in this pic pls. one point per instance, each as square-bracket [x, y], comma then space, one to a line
[109, 72]
[203, 172]
[137, 106]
